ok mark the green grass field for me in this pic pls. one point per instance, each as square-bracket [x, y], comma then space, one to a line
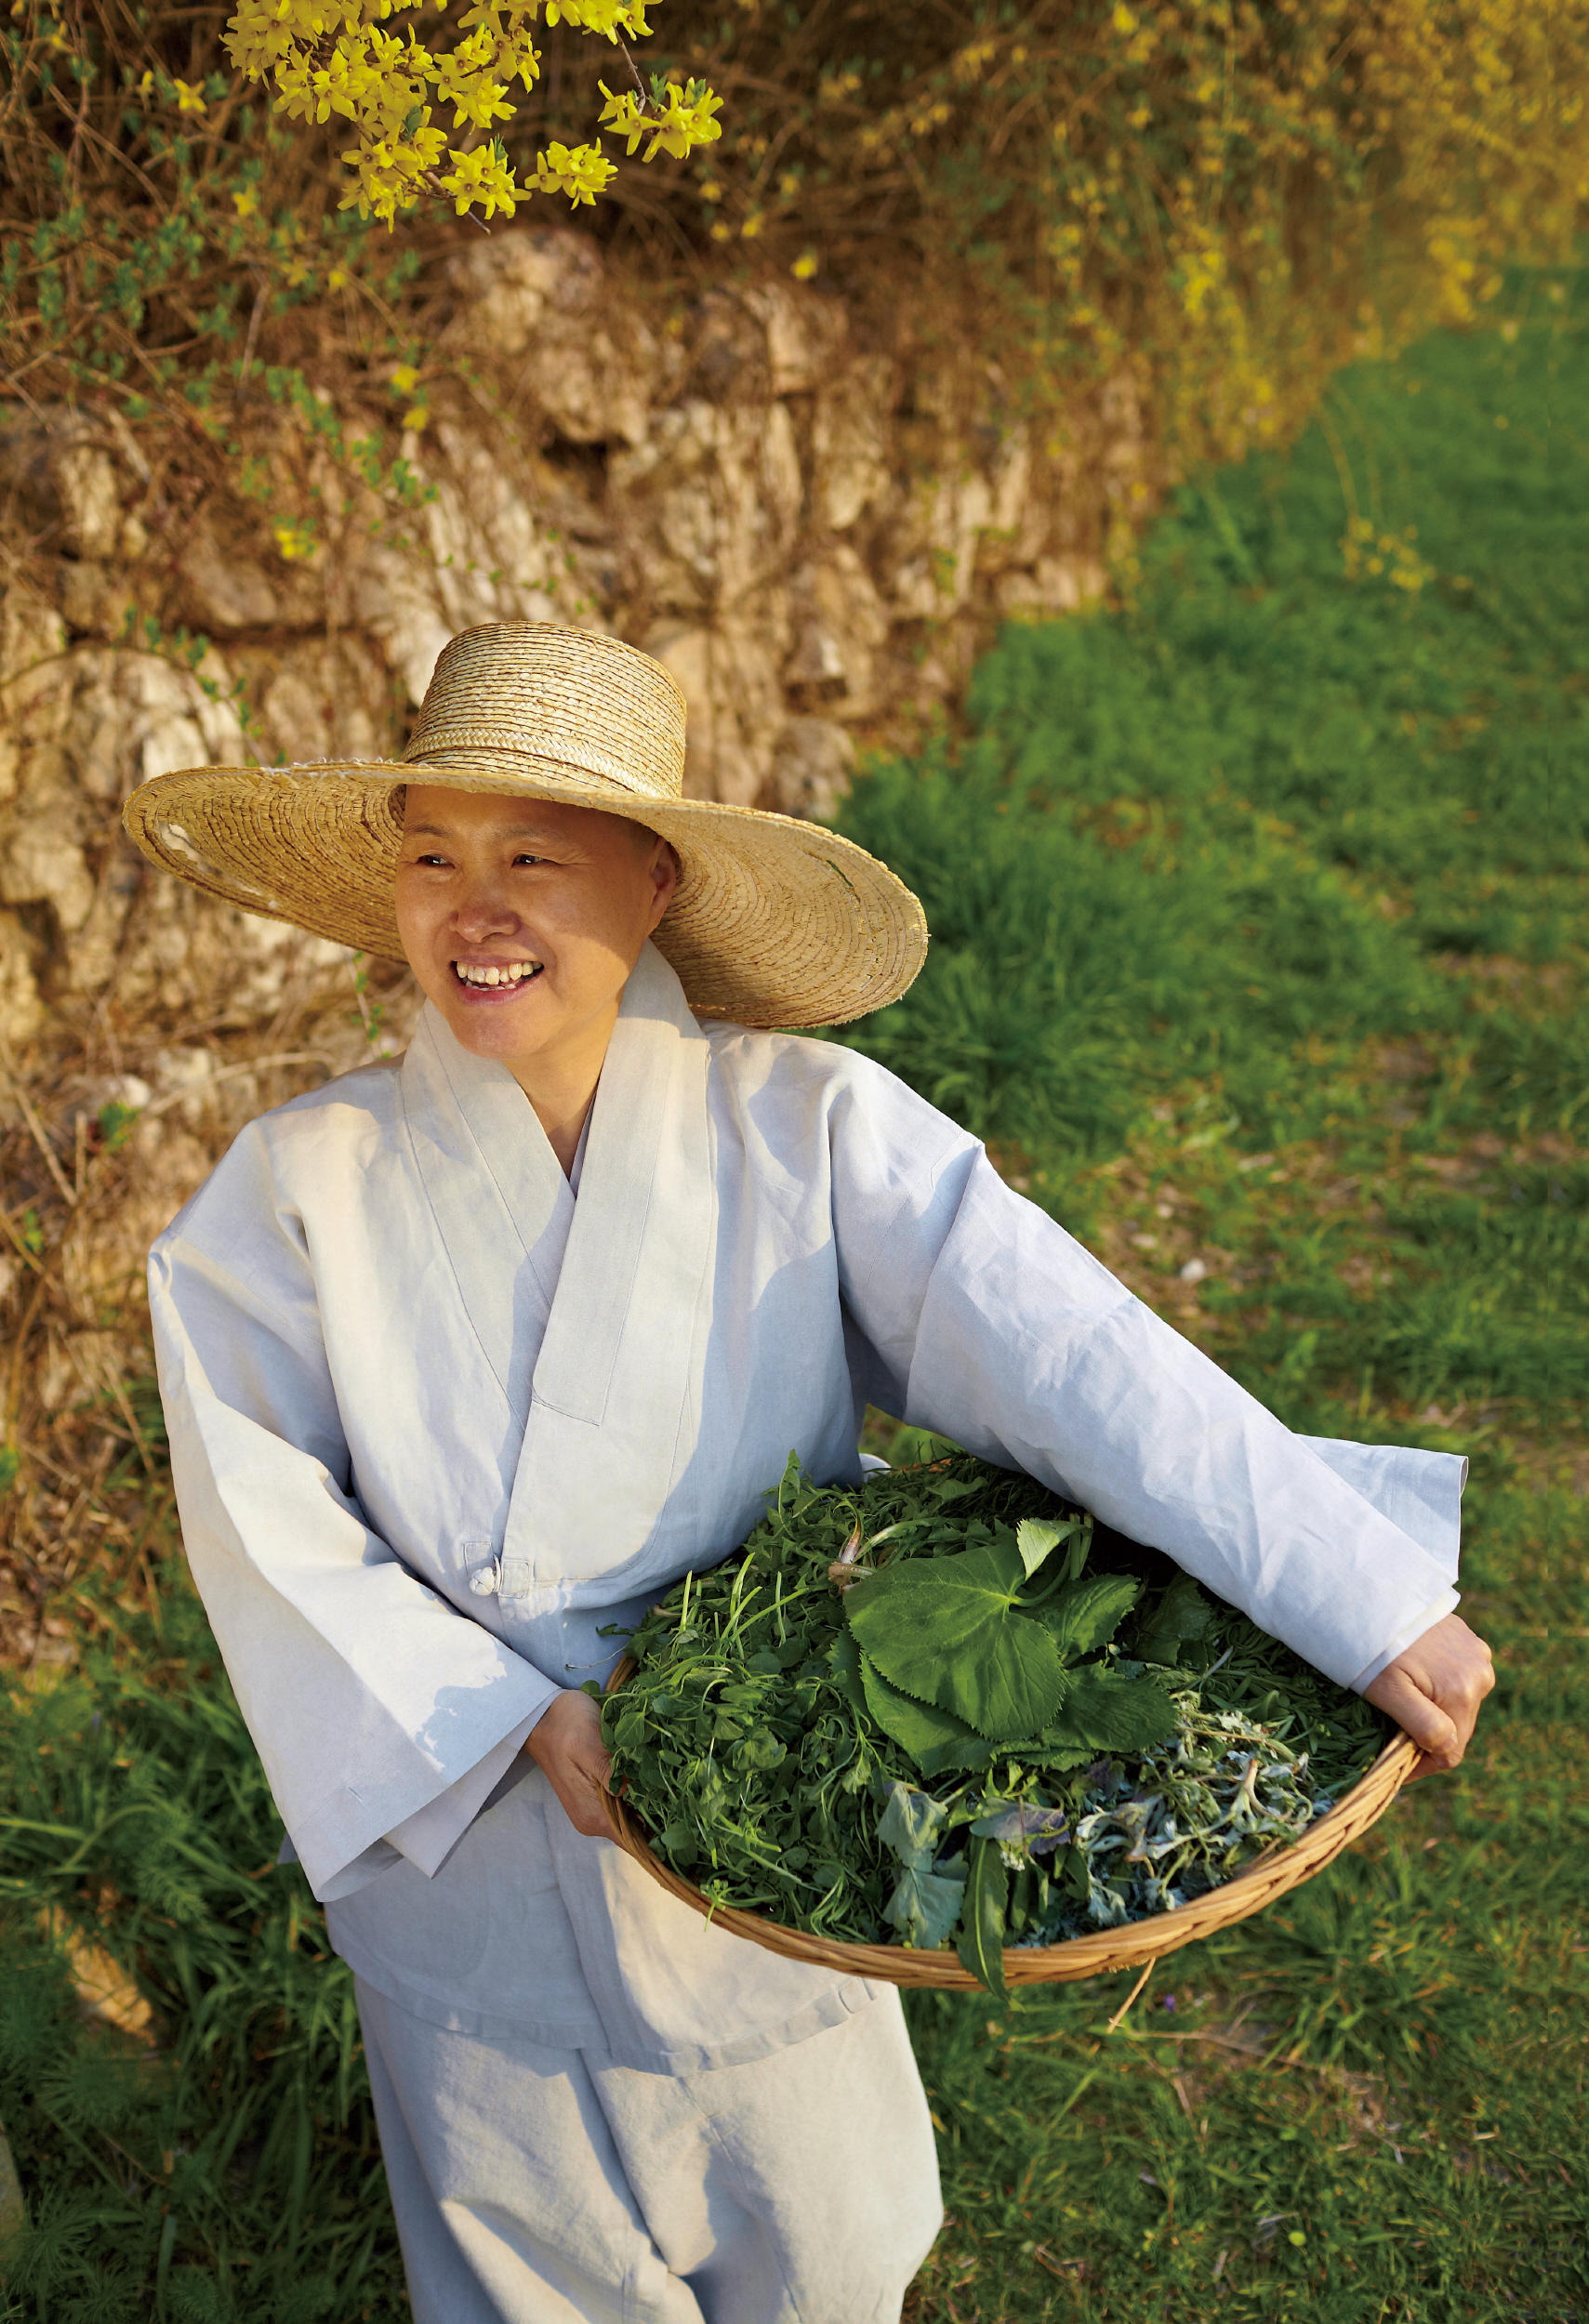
[1259, 958]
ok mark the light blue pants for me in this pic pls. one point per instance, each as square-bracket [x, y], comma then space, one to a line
[550, 2186]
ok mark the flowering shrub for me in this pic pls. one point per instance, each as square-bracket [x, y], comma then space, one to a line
[1214, 201]
[1227, 197]
[341, 62]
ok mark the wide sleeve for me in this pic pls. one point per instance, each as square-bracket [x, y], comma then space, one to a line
[978, 1316]
[382, 1714]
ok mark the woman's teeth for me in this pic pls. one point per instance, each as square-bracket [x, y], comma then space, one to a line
[514, 973]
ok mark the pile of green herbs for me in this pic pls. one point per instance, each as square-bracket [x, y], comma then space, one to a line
[949, 1707]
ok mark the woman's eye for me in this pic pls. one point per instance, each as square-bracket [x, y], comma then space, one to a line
[529, 859]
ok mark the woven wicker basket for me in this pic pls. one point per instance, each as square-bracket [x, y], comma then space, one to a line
[1135, 1946]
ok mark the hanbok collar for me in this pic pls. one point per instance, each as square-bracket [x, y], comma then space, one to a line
[594, 1314]
[501, 1202]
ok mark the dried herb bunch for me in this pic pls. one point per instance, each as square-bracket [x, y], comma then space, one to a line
[949, 1707]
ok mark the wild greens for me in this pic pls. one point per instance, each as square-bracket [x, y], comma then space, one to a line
[948, 1708]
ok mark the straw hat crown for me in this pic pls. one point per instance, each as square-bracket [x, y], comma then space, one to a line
[526, 693]
[775, 921]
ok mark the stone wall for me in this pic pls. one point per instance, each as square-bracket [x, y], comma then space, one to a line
[814, 527]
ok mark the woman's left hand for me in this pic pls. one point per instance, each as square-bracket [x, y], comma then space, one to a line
[1434, 1691]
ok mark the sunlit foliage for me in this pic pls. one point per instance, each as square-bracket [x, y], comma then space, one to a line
[1219, 202]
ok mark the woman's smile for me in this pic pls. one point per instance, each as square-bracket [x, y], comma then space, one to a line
[495, 979]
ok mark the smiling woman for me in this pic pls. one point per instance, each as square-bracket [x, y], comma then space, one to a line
[522, 922]
[458, 1384]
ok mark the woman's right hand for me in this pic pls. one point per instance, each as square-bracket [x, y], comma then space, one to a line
[566, 1742]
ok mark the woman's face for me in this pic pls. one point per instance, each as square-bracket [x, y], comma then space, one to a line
[521, 919]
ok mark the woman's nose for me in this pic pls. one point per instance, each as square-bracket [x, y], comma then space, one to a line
[484, 912]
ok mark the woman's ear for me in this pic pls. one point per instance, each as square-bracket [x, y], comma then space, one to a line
[665, 873]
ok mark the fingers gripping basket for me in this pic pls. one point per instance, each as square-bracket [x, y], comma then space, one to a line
[1135, 1945]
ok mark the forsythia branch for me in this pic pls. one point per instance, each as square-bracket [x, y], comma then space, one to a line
[337, 57]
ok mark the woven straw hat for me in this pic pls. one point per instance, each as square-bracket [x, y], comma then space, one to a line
[775, 922]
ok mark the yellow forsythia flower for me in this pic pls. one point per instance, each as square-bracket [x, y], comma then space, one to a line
[481, 177]
[622, 115]
[675, 127]
[337, 59]
[581, 172]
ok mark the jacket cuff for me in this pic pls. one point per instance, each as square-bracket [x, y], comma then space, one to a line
[428, 1836]
[1447, 1603]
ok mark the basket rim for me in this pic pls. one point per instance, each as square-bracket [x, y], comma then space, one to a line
[1101, 1953]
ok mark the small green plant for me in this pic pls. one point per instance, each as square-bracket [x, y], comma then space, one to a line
[116, 1123]
[146, 633]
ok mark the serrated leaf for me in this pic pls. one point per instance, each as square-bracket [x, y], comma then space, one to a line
[1104, 1714]
[915, 1727]
[950, 1631]
[1059, 1761]
[971, 1757]
[981, 1945]
[1084, 1616]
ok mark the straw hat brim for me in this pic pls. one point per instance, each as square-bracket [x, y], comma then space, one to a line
[775, 921]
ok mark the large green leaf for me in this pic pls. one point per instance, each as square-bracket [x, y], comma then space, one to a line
[971, 1756]
[915, 1727]
[1104, 1714]
[950, 1631]
[1059, 1761]
[1182, 1617]
[1084, 1616]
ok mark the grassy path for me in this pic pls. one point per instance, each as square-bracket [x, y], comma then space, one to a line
[1272, 980]
[1260, 959]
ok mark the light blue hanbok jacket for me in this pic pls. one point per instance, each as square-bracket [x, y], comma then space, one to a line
[437, 1424]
